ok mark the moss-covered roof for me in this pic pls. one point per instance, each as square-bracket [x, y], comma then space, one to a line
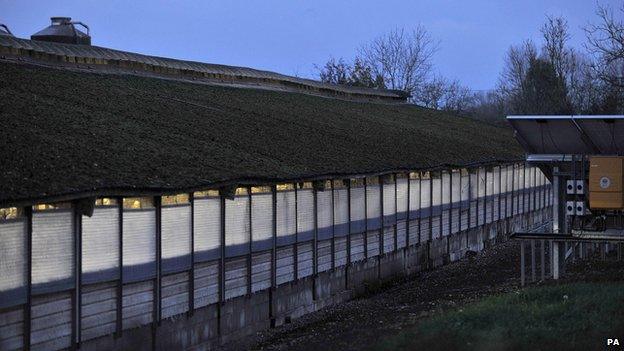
[67, 133]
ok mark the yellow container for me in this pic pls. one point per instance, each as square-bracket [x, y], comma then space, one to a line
[605, 182]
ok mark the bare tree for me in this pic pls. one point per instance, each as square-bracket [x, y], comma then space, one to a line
[402, 58]
[442, 94]
[556, 36]
[606, 41]
[511, 84]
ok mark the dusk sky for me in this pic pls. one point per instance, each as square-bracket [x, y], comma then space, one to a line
[292, 36]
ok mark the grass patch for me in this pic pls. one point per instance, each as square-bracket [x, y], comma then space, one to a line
[571, 316]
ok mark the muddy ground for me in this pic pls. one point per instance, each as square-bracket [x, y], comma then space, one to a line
[359, 324]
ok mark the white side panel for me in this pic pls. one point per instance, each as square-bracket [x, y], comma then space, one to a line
[261, 217]
[414, 195]
[52, 247]
[12, 262]
[207, 226]
[325, 211]
[176, 234]
[237, 227]
[100, 242]
[373, 207]
[389, 200]
[305, 211]
[286, 215]
[139, 238]
[446, 187]
[402, 195]
[357, 204]
[341, 207]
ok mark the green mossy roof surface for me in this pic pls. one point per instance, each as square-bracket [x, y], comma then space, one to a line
[67, 132]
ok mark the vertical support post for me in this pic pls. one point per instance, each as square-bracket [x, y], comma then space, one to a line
[333, 238]
[156, 313]
[348, 234]
[315, 243]
[222, 262]
[76, 294]
[430, 207]
[250, 244]
[513, 186]
[366, 218]
[28, 304]
[296, 244]
[380, 241]
[469, 219]
[396, 217]
[450, 219]
[485, 186]
[119, 301]
[500, 191]
[522, 264]
[409, 212]
[191, 292]
[557, 221]
[533, 260]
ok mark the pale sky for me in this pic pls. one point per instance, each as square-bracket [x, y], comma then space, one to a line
[290, 37]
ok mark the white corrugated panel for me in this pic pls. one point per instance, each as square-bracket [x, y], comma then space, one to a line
[176, 237]
[305, 214]
[373, 209]
[207, 226]
[474, 185]
[286, 215]
[325, 213]
[389, 199]
[402, 195]
[414, 195]
[456, 193]
[100, 245]
[139, 243]
[437, 191]
[237, 226]
[262, 219]
[425, 194]
[446, 187]
[12, 262]
[341, 211]
[482, 180]
[52, 250]
[357, 209]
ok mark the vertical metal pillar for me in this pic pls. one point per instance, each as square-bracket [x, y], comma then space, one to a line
[28, 304]
[333, 237]
[296, 244]
[119, 301]
[348, 234]
[222, 262]
[557, 220]
[191, 292]
[543, 259]
[76, 294]
[396, 217]
[250, 243]
[315, 243]
[533, 261]
[380, 236]
[366, 218]
[158, 288]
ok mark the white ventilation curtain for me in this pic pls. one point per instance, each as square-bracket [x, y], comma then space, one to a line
[325, 214]
[503, 191]
[286, 217]
[414, 198]
[237, 228]
[373, 206]
[489, 196]
[207, 226]
[176, 238]
[425, 197]
[389, 202]
[262, 221]
[446, 189]
[437, 196]
[358, 213]
[139, 244]
[497, 191]
[100, 245]
[52, 250]
[456, 188]
[13, 258]
[305, 215]
[402, 197]
[341, 212]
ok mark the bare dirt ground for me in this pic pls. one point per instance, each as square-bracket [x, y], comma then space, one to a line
[359, 324]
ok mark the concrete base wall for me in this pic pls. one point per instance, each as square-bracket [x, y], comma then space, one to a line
[208, 327]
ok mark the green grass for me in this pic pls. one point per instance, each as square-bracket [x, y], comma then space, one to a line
[573, 316]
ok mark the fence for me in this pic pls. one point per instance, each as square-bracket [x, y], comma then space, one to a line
[68, 278]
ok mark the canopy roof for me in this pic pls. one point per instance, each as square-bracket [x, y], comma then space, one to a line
[69, 134]
[562, 135]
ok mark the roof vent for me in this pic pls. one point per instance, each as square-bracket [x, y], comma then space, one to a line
[4, 31]
[63, 30]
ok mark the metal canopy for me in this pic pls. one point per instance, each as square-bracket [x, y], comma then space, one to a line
[565, 135]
